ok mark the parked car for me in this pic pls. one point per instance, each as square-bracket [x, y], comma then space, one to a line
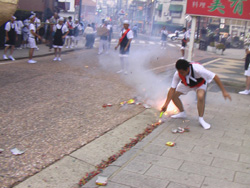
[179, 35]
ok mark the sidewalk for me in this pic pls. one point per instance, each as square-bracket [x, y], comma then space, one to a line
[43, 51]
[215, 158]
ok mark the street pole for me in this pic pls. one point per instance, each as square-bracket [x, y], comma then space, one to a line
[191, 42]
[80, 10]
[153, 17]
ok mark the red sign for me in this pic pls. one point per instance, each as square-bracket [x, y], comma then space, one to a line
[77, 2]
[239, 9]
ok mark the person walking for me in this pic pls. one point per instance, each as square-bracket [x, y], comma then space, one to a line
[191, 77]
[11, 34]
[126, 37]
[89, 35]
[61, 31]
[103, 32]
[184, 42]
[247, 73]
[164, 35]
[31, 40]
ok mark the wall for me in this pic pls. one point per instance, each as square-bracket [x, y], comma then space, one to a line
[36, 5]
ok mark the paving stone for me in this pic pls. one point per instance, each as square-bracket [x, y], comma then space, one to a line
[62, 174]
[239, 135]
[243, 178]
[216, 153]
[218, 183]
[155, 149]
[106, 173]
[158, 160]
[187, 156]
[100, 149]
[231, 165]
[177, 185]
[203, 142]
[227, 140]
[137, 167]
[234, 148]
[137, 180]
[177, 176]
[206, 170]
[115, 185]
[244, 158]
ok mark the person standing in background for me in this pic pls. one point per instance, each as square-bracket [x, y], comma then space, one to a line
[50, 33]
[70, 36]
[164, 35]
[184, 42]
[89, 35]
[77, 31]
[247, 73]
[10, 31]
[126, 37]
[61, 31]
[103, 32]
[110, 28]
[32, 35]
[25, 32]
[20, 26]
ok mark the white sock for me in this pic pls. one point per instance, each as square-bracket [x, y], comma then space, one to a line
[204, 124]
[179, 115]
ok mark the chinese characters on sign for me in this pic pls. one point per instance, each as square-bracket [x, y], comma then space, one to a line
[220, 8]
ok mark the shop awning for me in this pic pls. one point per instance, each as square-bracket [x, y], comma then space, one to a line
[175, 8]
[160, 23]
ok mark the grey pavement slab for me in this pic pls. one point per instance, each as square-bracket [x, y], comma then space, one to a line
[214, 183]
[63, 174]
[207, 171]
[177, 176]
[137, 180]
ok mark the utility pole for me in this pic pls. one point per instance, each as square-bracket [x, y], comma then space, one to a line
[80, 10]
[153, 17]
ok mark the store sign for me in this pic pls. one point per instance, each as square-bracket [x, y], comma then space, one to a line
[239, 9]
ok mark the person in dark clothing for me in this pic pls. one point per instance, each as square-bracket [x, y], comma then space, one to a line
[247, 73]
[61, 31]
[124, 43]
[10, 31]
[89, 34]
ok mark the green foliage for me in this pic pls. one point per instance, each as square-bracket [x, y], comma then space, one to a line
[212, 44]
[221, 46]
